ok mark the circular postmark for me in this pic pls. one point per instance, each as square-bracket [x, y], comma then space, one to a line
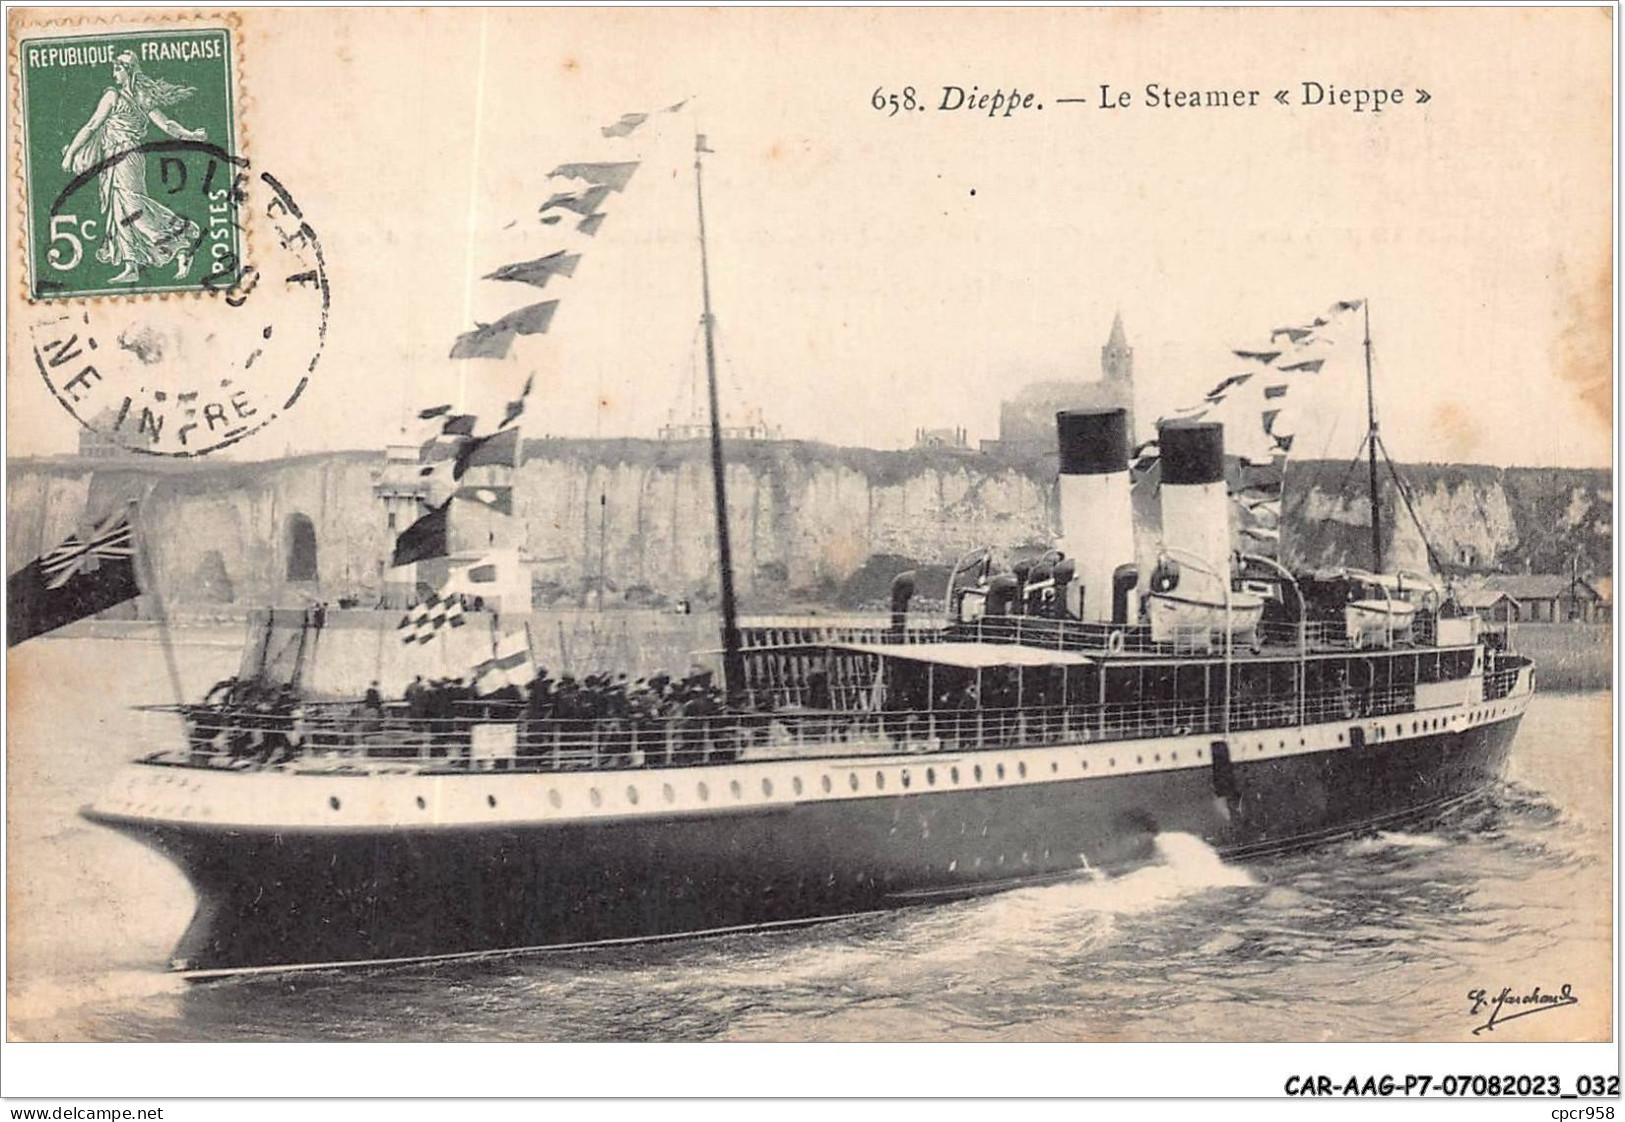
[188, 376]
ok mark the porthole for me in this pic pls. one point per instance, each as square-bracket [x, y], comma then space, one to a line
[735, 789]
[490, 800]
[1399, 730]
[632, 795]
[421, 804]
[1281, 745]
[853, 779]
[1340, 738]
[767, 788]
[1084, 764]
[953, 775]
[333, 802]
[667, 793]
[553, 798]
[880, 781]
[999, 771]
[1139, 759]
[827, 785]
[977, 772]
[596, 798]
[953, 866]
[1054, 767]
[930, 777]
[1157, 759]
[1414, 728]
[1021, 768]
[1111, 761]
[1198, 753]
[703, 791]
[904, 778]
[1174, 756]
[795, 784]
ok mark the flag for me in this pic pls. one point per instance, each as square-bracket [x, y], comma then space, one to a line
[500, 448]
[589, 225]
[1296, 334]
[613, 176]
[517, 406]
[1264, 357]
[580, 202]
[493, 340]
[1273, 392]
[431, 414]
[424, 538]
[1308, 366]
[460, 425]
[675, 108]
[1218, 391]
[421, 624]
[539, 271]
[625, 125]
[82, 576]
[437, 448]
[499, 499]
[438, 482]
[509, 665]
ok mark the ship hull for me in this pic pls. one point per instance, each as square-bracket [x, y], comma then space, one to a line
[299, 895]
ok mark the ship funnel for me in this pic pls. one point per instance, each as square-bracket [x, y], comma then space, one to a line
[1196, 505]
[1097, 522]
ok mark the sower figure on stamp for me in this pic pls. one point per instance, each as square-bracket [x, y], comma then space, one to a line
[139, 229]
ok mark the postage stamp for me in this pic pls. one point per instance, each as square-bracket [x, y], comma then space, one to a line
[127, 138]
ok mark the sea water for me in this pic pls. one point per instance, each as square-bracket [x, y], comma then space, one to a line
[1378, 937]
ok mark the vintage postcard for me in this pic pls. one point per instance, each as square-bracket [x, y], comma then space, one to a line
[926, 525]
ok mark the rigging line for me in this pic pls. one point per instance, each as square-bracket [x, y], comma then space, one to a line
[1405, 494]
[473, 205]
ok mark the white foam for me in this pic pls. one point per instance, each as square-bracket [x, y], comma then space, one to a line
[1392, 840]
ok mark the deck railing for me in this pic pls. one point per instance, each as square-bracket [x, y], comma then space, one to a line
[500, 736]
[1094, 638]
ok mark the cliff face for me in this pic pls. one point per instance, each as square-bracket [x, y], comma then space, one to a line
[1476, 518]
[805, 517]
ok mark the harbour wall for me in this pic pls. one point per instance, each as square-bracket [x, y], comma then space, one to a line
[805, 519]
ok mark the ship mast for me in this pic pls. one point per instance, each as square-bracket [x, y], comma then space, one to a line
[733, 678]
[1371, 448]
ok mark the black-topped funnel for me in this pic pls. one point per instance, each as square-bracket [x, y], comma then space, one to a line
[1092, 441]
[1192, 452]
[1097, 520]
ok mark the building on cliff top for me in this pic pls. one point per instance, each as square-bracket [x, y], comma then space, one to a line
[1027, 421]
[96, 443]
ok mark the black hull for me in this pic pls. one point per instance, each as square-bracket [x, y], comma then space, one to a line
[317, 897]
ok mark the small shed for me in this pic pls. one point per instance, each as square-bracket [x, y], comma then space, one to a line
[1489, 604]
[1551, 597]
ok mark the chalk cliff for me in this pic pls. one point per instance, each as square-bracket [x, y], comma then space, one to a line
[805, 518]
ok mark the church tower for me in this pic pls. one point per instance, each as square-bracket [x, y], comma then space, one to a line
[1117, 370]
[1117, 357]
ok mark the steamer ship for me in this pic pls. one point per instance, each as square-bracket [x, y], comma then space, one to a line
[1061, 716]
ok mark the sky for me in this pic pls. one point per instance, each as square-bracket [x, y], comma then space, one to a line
[874, 274]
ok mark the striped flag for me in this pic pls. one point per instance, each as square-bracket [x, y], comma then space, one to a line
[510, 665]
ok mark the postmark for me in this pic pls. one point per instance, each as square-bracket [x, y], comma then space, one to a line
[107, 212]
[191, 378]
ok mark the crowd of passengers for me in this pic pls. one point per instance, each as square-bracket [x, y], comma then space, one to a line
[251, 722]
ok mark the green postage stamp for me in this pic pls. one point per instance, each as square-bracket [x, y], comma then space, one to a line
[129, 161]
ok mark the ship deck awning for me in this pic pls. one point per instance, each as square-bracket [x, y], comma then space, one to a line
[968, 656]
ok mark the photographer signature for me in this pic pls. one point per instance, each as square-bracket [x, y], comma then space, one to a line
[1525, 1004]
